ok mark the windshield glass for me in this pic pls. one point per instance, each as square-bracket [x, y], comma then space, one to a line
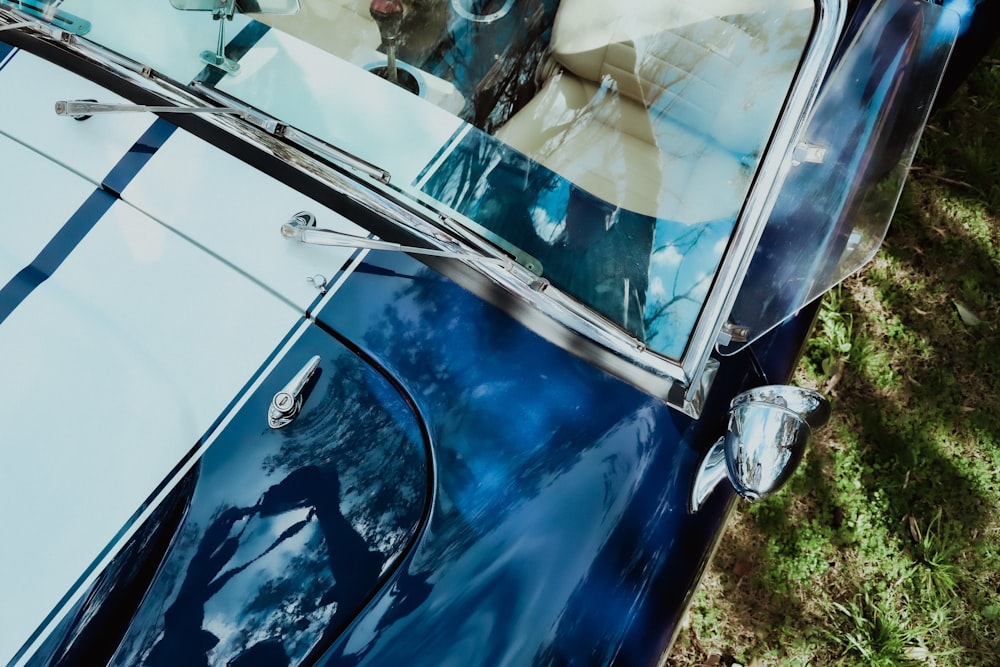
[609, 146]
[837, 207]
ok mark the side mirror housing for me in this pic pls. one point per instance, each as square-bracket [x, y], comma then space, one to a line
[764, 442]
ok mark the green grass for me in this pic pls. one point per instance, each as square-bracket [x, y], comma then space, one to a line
[885, 547]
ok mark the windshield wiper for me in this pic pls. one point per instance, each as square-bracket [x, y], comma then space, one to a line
[302, 227]
[83, 109]
[22, 24]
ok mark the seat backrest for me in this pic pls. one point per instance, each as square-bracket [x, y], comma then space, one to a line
[719, 67]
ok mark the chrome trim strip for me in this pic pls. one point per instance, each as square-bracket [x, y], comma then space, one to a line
[333, 153]
[830, 20]
[712, 471]
[307, 141]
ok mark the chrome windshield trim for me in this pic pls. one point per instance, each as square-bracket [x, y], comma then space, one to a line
[22, 24]
[830, 19]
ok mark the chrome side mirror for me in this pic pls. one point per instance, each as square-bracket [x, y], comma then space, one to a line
[764, 442]
[224, 10]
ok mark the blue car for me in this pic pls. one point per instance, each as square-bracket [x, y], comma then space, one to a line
[442, 332]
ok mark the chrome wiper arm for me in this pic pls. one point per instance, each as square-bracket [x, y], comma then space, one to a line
[83, 108]
[301, 227]
[22, 24]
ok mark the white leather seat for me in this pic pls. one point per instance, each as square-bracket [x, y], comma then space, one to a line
[664, 113]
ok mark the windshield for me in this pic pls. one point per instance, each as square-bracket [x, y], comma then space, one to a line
[626, 168]
[608, 146]
[837, 207]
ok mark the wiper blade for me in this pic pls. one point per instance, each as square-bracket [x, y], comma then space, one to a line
[301, 227]
[22, 24]
[81, 109]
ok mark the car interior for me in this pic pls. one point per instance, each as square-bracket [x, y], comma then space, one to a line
[676, 97]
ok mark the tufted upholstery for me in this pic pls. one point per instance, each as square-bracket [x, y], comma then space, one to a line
[665, 113]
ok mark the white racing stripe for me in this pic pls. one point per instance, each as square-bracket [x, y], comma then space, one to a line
[118, 360]
[32, 215]
[236, 213]
[114, 368]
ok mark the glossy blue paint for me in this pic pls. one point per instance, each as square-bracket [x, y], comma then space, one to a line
[559, 531]
[285, 533]
[289, 531]
[497, 501]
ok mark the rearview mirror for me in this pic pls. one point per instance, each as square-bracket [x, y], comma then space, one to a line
[244, 6]
[222, 11]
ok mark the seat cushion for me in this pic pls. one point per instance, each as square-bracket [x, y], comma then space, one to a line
[608, 145]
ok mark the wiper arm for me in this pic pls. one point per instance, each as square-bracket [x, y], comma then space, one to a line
[81, 109]
[22, 24]
[302, 227]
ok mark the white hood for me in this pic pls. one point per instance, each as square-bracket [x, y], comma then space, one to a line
[128, 321]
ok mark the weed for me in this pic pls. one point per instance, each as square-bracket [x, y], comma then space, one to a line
[885, 547]
[831, 345]
[935, 569]
[873, 633]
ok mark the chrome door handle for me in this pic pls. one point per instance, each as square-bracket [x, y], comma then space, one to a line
[287, 403]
